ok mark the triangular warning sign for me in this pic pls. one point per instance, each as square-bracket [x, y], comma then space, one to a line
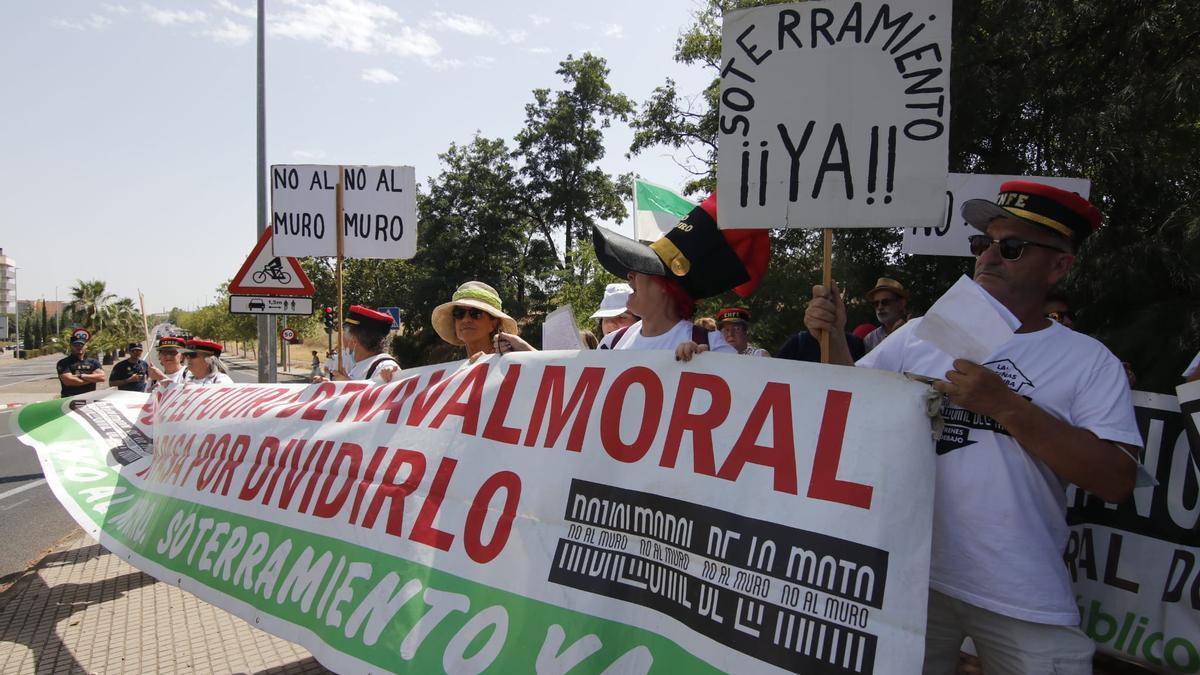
[265, 274]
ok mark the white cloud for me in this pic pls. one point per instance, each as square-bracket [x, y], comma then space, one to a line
[538, 50]
[516, 37]
[483, 61]
[379, 76]
[170, 17]
[250, 12]
[446, 64]
[231, 32]
[538, 19]
[114, 9]
[613, 30]
[353, 25]
[461, 23]
[92, 22]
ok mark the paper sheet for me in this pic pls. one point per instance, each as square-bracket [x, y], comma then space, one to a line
[559, 330]
[967, 322]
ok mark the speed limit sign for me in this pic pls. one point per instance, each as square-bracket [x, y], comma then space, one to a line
[287, 334]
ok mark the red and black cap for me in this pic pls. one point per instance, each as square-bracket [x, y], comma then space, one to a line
[206, 347]
[704, 259]
[733, 315]
[365, 316]
[171, 342]
[1061, 211]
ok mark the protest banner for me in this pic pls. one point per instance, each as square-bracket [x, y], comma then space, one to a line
[834, 114]
[949, 237]
[529, 512]
[379, 215]
[1136, 565]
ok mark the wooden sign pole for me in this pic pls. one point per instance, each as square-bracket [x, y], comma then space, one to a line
[338, 270]
[145, 326]
[827, 280]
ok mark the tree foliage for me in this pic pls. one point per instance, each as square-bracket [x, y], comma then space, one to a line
[559, 146]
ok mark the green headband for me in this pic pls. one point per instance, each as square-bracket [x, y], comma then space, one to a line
[482, 296]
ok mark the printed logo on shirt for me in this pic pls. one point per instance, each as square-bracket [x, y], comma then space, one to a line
[956, 434]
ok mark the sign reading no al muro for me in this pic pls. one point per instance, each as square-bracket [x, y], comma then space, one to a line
[834, 114]
[379, 214]
[531, 512]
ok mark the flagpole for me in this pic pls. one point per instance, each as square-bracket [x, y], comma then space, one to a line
[340, 252]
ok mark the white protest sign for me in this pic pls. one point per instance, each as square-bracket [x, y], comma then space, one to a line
[379, 210]
[728, 514]
[834, 114]
[559, 330]
[949, 237]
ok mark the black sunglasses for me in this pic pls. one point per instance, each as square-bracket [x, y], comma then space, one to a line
[1011, 248]
[460, 312]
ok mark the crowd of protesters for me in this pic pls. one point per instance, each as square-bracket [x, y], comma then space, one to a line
[999, 529]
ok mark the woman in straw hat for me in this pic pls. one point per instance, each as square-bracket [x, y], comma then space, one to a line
[475, 318]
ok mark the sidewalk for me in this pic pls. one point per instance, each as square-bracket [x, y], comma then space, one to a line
[84, 610]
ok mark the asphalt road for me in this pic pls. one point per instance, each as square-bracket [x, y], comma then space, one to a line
[31, 519]
[13, 372]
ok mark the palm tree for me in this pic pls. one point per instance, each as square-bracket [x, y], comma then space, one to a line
[88, 299]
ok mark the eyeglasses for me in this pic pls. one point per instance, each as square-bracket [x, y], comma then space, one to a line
[883, 302]
[460, 312]
[1011, 248]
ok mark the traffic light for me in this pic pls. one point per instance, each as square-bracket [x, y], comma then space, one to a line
[330, 322]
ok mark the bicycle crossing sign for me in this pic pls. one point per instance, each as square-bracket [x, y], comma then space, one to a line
[264, 273]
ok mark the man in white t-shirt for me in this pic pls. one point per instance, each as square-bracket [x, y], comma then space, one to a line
[1050, 407]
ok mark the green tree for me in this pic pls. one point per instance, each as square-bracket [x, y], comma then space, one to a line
[559, 147]
[88, 298]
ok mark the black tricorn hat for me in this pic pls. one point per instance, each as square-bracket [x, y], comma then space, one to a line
[704, 259]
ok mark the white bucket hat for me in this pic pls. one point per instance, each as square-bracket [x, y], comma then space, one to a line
[616, 296]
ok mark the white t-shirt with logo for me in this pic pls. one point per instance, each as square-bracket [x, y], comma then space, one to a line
[999, 526]
[679, 333]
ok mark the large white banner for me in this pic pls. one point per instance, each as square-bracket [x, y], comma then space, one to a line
[1136, 565]
[834, 114]
[949, 236]
[531, 512]
[379, 210]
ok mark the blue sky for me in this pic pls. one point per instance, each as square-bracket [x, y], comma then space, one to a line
[129, 138]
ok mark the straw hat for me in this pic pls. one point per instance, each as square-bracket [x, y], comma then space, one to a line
[616, 297]
[471, 294]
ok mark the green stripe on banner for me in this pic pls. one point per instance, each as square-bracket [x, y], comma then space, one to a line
[651, 197]
[382, 609]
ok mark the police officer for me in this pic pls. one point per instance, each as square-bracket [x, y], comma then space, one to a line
[77, 372]
[131, 373]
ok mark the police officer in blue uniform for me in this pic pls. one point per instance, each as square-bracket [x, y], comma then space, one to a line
[131, 373]
[78, 373]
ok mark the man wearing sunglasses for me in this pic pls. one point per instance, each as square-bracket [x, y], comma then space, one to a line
[890, 300]
[1051, 407]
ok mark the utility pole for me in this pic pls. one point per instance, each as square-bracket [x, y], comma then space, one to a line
[267, 371]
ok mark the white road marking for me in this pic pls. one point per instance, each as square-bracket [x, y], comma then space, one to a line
[19, 490]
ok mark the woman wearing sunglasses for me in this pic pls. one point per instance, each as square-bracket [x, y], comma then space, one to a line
[204, 365]
[475, 318]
